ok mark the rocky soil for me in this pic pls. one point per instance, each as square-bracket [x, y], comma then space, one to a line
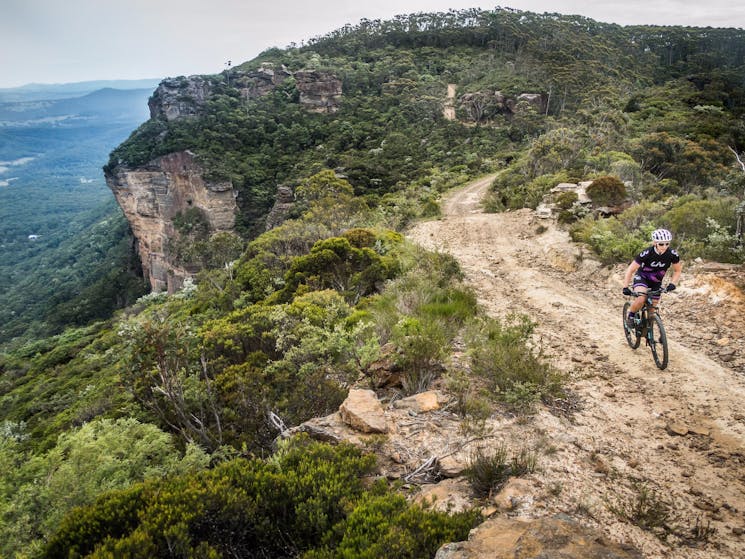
[630, 441]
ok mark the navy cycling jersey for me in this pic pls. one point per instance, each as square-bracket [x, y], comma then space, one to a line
[653, 266]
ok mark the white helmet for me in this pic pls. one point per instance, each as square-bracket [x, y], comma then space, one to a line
[662, 236]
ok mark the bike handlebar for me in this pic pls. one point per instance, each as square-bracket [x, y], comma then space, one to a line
[648, 293]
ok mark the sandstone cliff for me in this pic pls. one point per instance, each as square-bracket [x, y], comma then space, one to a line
[153, 194]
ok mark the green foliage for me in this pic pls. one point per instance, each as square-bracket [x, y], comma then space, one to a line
[566, 200]
[335, 263]
[309, 499]
[610, 239]
[100, 456]
[513, 189]
[607, 191]
[515, 373]
[387, 526]
[213, 376]
[420, 313]
[285, 327]
[702, 227]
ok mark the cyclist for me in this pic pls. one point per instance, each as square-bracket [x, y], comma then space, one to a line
[648, 269]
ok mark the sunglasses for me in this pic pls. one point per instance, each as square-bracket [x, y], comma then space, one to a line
[662, 244]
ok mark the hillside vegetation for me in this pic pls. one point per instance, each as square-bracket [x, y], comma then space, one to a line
[189, 383]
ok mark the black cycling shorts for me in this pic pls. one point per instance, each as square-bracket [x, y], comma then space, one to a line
[641, 281]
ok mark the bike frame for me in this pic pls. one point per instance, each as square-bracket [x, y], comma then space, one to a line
[649, 323]
[648, 311]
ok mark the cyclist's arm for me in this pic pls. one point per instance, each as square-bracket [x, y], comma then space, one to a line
[630, 271]
[677, 269]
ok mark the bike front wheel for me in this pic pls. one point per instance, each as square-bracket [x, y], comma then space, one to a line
[632, 336]
[658, 341]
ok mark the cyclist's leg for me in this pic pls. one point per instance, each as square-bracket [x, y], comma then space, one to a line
[655, 299]
[640, 285]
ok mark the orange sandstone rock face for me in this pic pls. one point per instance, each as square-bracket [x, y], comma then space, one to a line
[153, 194]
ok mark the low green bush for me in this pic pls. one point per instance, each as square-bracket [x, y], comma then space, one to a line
[489, 471]
[515, 373]
[701, 228]
[606, 191]
[309, 500]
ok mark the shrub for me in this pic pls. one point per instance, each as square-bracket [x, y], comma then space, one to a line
[386, 526]
[646, 508]
[607, 191]
[489, 471]
[566, 200]
[308, 500]
[690, 218]
[609, 239]
[514, 372]
[421, 345]
[525, 193]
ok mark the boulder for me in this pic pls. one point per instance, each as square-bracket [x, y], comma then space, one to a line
[422, 402]
[506, 538]
[253, 85]
[449, 495]
[363, 412]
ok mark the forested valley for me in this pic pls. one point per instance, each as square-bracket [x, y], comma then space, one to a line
[65, 252]
[151, 430]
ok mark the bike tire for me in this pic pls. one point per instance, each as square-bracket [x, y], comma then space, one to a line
[657, 339]
[632, 337]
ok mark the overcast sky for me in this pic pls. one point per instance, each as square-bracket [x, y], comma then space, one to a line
[60, 41]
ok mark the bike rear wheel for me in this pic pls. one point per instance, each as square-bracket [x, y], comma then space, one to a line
[632, 337]
[658, 341]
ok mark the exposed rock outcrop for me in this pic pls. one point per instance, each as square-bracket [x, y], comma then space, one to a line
[536, 100]
[283, 204]
[185, 97]
[506, 538]
[180, 97]
[485, 105]
[264, 80]
[153, 194]
[319, 91]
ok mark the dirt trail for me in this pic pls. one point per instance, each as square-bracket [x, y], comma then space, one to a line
[679, 432]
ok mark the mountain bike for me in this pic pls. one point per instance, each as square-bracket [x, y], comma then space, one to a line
[648, 326]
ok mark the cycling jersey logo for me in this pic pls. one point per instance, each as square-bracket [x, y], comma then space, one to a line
[657, 264]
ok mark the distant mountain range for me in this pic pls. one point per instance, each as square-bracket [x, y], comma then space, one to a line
[112, 105]
[45, 92]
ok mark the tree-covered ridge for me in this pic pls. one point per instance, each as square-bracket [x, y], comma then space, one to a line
[557, 40]
[617, 88]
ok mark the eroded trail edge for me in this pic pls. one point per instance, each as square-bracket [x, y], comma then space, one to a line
[679, 432]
